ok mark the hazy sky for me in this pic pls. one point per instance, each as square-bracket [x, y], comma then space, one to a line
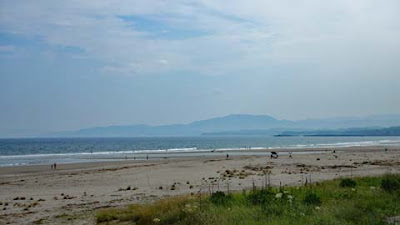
[74, 64]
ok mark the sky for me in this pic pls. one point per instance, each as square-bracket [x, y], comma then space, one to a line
[67, 65]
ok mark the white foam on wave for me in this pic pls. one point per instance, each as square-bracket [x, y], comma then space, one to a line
[64, 154]
[13, 164]
[97, 153]
[350, 144]
[165, 150]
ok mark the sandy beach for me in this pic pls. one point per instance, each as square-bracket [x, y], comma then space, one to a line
[70, 194]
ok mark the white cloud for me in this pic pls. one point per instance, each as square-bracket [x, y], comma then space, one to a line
[163, 61]
[237, 36]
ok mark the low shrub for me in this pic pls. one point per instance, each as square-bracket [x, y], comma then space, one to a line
[347, 182]
[312, 198]
[391, 183]
[220, 198]
[260, 197]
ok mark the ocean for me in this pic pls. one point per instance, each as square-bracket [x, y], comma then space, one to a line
[36, 151]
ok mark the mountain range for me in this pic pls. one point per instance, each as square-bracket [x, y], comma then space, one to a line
[234, 124]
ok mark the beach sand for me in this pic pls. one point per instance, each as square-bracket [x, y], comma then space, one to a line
[70, 194]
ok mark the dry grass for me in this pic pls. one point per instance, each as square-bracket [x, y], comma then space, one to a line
[169, 210]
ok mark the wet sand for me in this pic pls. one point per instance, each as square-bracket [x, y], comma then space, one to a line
[69, 195]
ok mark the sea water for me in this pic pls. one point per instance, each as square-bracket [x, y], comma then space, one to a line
[35, 151]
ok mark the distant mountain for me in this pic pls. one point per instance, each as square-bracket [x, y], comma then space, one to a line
[256, 132]
[231, 122]
[390, 131]
[238, 124]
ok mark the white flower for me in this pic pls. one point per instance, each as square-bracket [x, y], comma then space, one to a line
[279, 195]
[290, 197]
[372, 188]
[353, 189]
[156, 220]
[317, 208]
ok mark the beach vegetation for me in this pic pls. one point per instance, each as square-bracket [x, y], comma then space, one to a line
[220, 198]
[325, 203]
[391, 183]
[348, 182]
[312, 198]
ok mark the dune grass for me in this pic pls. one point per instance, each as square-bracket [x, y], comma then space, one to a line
[367, 200]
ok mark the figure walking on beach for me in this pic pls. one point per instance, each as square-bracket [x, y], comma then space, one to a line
[55, 166]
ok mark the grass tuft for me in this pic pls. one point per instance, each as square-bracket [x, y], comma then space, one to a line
[220, 198]
[312, 198]
[391, 183]
[347, 182]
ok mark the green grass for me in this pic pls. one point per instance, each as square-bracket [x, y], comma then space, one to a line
[369, 202]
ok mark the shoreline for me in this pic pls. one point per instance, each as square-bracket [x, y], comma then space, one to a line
[141, 156]
[65, 167]
[78, 189]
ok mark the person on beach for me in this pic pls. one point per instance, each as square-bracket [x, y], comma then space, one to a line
[55, 166]
[147, 157]
[290, 155]
[227, 156]
[51, 166]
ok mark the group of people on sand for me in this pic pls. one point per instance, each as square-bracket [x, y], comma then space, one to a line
[53, 166]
